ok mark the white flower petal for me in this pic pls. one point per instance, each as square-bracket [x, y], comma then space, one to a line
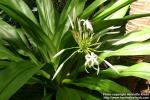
[58, 70]
[96, 62]
[82, 20]
[98, 69]
[86, 63]
[88, 25]
[59, 53]
[87, 55]
[71, 22]
[111, 66]
[95, 68]
[86, 70]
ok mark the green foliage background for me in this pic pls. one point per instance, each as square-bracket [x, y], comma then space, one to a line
[28, 46]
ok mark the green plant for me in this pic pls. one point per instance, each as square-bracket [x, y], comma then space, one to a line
[29, 50]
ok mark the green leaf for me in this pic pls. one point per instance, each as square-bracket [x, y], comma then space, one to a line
[86, 96]
[80, 7]
[35, 32]
[136, 36]
[14, 38]
[100, 85]
[12, 35]
[3, 64]
[90, 9]
[63, 24]
[20, 6]
[7, 31]
[66, 11]
[127, 50]
[141, 70]
[115, 7]
[118, 21]
[120, 13]
[7, 54]
[47, 16]
[15, 76]
[132, 49]
[67, 94]
[47, 97]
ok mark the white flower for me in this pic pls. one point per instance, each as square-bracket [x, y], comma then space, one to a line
[91, 61]
[87, 24]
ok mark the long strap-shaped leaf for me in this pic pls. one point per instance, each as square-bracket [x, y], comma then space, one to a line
[80, 7]
[67, 94]
[100, 85]
[34, 30]
[21, 6]
[10, 34]
[16, 40]
[135, 36]
[66, 11]
[7, 54]
[115, 7]
[14, 76]
[89, 10]
[63, 26]
[129, 50]
[133, 49]
[120, 13]
[78, 10]
[141, 70]
[99, 25]
[47, 16]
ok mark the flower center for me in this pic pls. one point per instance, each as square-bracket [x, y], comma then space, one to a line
[84, 45]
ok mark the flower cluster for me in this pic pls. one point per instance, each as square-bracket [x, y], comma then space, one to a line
[82, 32]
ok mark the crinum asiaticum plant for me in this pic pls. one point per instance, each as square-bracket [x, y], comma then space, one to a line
[61, 49]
